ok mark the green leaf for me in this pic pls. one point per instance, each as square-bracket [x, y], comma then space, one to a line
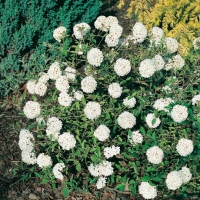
[38, 175]
[44, 181]
[78, 167]
[134, 189]
[83, 101]
[146, 178]
[65, 192]
[157, 179]
[120, 187]
[142, 130]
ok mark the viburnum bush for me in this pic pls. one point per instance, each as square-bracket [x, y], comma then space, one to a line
[115, 111]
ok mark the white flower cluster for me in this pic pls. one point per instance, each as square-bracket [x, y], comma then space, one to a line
[44, 160]
[129, 102]
[88, 84]
[102, 132]
[64, 99]
[80, 30]
[31, 109]
[95, 57]
[78, 95]
[57, 170]
[67, 141]
[59, 33]
[54, 126]
[196, 43]
[126, 120]
[70, 73]
[156, 35]
[26, 145]
[109, 152]
[122, 67]
[101, 182]
[159, 62]
[179, 113]
[149, 120]
[196, 99]
[155, 155]
[62, 84]
[31, 86]
[177, 62]
[185, 147]
[135, 138]
[147, 68]
[102, 169]
[92, 110]
[171, 44]
[162, 103]
[185, 174]
[115, 90]
[54, 71]
[147, 191]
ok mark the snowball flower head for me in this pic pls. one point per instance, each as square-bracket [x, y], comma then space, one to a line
[196, 43]
[161, 103]
[102, 23]
[70, 73]
[40, 88]
[64, 99]
[177, 62]
[101, 182]
[92, 110]
[115, 90]
[44, 77]
[95, 57]
[159, 62]
[78, 95]
[147, 191]
[185, 147]
[156, 32]
[109, 152]
[185, 174]
[59, 33]
[62, 84]
[111, 19]
[80, 30]
[88, 84]
[54, 124]
[67, 141]
[28, 157]
[102, 132]
[31, 109]
[52, 134]
[57, 170]
[31, 86]
[195, 99]
[126, 120]
[54, 71]
[174, 180]
[179, 113]
[129, 102]
[112, 40]
[155, 155]
[147, 68]
[122, 67]
[171, 44]
[139, 32]
[149, 120]
[135, 138]
[44, 160]
[116, 29]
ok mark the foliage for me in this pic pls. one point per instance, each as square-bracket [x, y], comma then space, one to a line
[25, 25]
[131, 166]
[178, 19]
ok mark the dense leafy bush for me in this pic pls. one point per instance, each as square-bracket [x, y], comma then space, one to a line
[25, 25]
[117, 111]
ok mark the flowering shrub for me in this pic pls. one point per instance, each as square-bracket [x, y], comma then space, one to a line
[117, 116]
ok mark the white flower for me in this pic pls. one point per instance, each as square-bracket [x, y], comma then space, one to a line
[59, 33]
[147, 191]
[126, 120]
[112, 40]
[177, 62]
[156, 35]
[70, 73]
[54, 124]
[88, 84]
[116, 29]
[54, 71]
[149, 119]
[161, 103]
[185, 147]
[171, 44]
[67, 141]
[62, 84]
[95, 57]
[80, 30]
[40, 88]
[31, 109]
[57, 170]
[78, 95]
[102, 24]
[102, 132]
[52, 133]
[195, 99]
[31, 86]
[155, 155]
[179, 113]
[139, 32]
[135, 138]
[44, 77]
[174, 180]
[122, 67]
[115, 90]
[159, 62]
[185, 174]
[196, 43]
[101, 182]
[147, 68]
[64, 99]
[92, 110]
[44, 160]
[28, 157]
[129, 102]
[110, 20]
[109, 152]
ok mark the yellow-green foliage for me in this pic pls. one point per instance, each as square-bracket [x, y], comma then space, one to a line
[179, 19]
